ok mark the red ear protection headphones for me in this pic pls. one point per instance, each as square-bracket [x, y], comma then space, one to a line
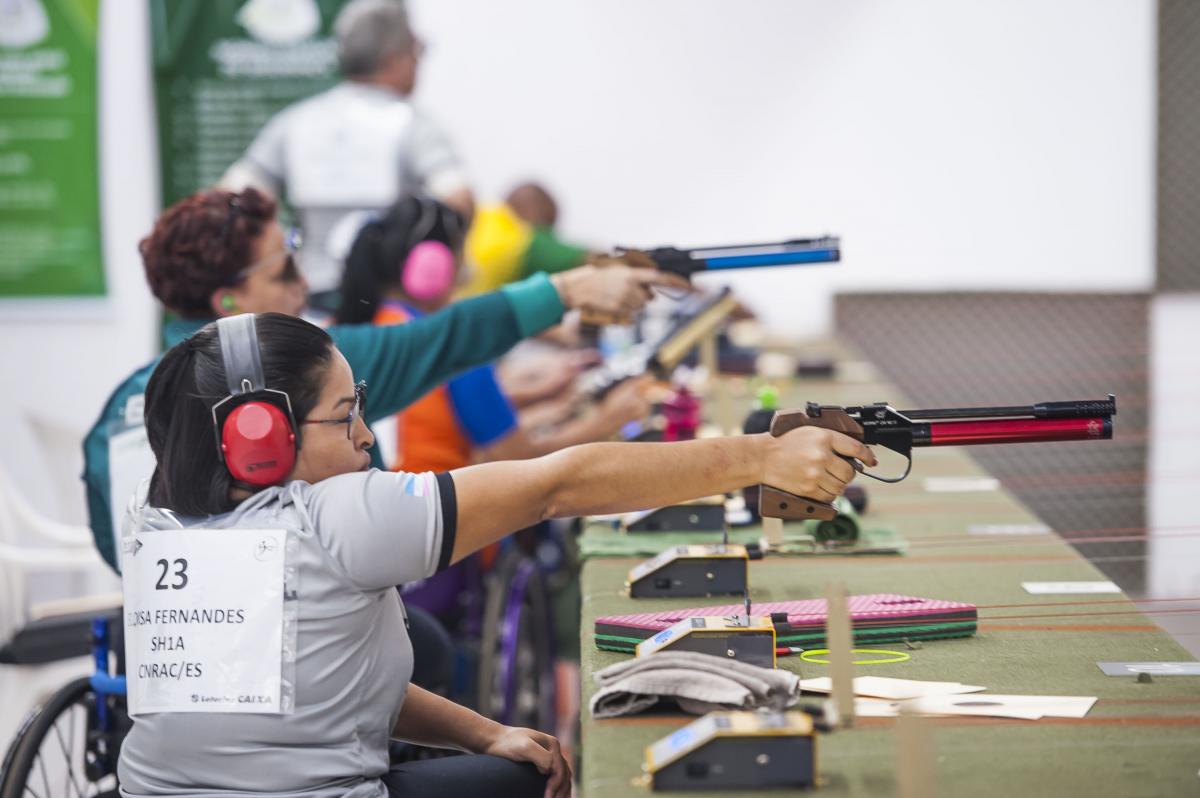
[257, 438]
[429, 266]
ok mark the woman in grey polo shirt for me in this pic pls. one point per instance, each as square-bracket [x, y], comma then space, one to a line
[350, 535]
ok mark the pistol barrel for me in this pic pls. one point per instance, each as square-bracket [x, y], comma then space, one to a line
[1088, 408]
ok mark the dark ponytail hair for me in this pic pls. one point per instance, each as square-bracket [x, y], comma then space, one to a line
[189, 477]
[379, 251]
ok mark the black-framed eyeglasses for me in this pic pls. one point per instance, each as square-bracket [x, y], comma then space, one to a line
[360, 402]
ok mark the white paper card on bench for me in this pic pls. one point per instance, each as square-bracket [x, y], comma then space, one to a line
[1008, 529]
[892, 689]
[1152, 668]
[961, 484]
[1063, 588]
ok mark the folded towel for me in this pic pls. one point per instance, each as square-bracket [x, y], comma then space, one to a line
[698, 683]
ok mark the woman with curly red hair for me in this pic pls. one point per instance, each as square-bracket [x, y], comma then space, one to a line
[201, 258]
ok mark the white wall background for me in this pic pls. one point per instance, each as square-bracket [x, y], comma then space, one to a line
[1173, 567]
[999, 144]
[60, 361]
[990, 144]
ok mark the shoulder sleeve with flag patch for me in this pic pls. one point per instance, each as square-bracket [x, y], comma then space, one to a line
[384, 528]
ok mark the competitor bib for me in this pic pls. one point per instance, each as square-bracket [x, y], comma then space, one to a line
[206, 629]
[130, 461]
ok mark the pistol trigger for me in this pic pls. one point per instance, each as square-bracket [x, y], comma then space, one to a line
[854, 462]
[907, 471]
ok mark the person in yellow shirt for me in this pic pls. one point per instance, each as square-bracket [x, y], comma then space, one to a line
[513, 239]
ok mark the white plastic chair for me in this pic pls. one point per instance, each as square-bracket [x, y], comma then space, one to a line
[32, 545]
[62, 454]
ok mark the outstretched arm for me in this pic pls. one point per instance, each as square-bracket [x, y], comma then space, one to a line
[402, 363]
[495, 499]
[623, 404]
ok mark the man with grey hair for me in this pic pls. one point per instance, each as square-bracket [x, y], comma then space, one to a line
[369, 30]
[357, 148]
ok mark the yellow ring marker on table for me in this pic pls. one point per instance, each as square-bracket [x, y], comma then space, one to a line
[892, 656]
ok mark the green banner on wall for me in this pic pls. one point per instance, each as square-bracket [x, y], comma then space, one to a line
[49, 155]
[222, 68]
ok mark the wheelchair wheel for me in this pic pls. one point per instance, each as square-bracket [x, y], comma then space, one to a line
[516, 669]
[61, 751]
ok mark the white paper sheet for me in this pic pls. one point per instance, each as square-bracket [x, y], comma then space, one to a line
[1025, 707]
[1008, 529]
[1069, 588]
[892, 689]
[1152, 668]
[961, 484]
[875, 708]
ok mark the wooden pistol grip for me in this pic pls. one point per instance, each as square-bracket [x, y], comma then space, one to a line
[833, 418]
[599, 319]
[629, 257]
[776, 503]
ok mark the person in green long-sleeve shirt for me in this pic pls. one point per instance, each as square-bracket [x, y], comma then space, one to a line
[218, 253]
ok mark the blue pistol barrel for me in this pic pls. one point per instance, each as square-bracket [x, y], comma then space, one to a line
[788, 253]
